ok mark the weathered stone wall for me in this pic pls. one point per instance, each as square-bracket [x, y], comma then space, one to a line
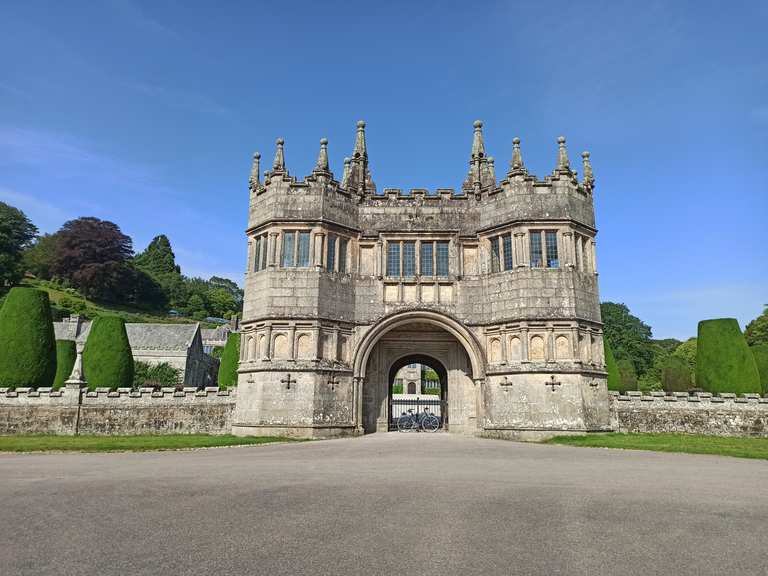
[702, 413]
[68, 411]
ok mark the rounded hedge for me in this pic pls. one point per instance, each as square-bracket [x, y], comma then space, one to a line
[724, 362]
[230, 358]
[27, 341]
[107, 359]
[66, 353]
[614, 377]
[676, 375]
[760, 354]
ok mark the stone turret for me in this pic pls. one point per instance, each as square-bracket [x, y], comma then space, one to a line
[480, 174]
[359, 178]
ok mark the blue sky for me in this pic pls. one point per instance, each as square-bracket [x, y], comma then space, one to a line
[147, 114]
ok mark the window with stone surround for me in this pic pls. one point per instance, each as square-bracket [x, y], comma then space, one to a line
[537, 258]
[330, 255]
[409, 259]
[343, 244]
[302, 253]
[442, 258]
[260, 252]
[507, 243]
[553, 260]
[495, 254]
[393, 259]
[289, 246]
[427, 259]
[295, 249]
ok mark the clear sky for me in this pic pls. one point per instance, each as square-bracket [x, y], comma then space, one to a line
[147, 114]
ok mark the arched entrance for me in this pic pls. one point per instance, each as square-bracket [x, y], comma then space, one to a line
[441, 341]
[416, 393]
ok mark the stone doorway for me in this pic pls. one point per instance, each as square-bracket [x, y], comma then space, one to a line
[440, 344]
[418, 383]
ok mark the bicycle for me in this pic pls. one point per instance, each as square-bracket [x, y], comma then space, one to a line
[425, 421]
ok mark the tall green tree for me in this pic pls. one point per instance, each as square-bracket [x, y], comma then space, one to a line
[16, 234]
[38, 257]
[760, 353]
[614, 377]
[66, 354]
[756, 331]
[158, 258]
[27, 341]
[628, 336]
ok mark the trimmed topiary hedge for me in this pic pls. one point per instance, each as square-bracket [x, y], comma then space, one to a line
[107, 359]
[230, 358]
[614, 377]
[724, 362]
[27, 341]
[676, 375]
[760, 354]
[66, 353]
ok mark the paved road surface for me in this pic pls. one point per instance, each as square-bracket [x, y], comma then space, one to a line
[384, 504]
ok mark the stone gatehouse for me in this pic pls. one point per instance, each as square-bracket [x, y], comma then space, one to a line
[494, 286]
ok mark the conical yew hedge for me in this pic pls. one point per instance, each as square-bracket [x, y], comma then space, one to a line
[27, 341]
[66, 353]
[107, 359]
[724, 362]
[229, 361]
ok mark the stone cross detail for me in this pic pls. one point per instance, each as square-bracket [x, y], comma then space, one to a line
[506, 384]
[333, 381]
[288, 381]
[552, 382]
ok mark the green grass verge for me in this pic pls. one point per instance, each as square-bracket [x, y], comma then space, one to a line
[142, 443]
[692, 444]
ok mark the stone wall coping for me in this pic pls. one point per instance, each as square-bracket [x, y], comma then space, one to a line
[102, 392]
[695, 397]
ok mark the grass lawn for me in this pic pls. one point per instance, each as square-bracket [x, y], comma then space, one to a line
[43, 443]
[693, 444]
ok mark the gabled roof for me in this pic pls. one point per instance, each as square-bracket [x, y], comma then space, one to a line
[161, 336]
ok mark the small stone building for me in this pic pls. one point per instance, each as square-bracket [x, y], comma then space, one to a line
[179, 345]
[494, 286]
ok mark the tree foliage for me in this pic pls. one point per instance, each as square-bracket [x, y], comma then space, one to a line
[614, 377]
[155, 375]
[27, 341]
[627, 374]
[724, 362]
[756, 331]
[628, 336]
[38, 256]
[66, 353]
[16, 234]
[107, 358]
[760, 354]
[676, 375]
[229, 361]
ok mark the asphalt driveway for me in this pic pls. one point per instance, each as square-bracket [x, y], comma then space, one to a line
[384, 504]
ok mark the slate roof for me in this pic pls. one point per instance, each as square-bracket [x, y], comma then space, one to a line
[161, 336]
[140, 336]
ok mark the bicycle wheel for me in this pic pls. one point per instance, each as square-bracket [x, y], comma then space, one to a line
[430, 423]
[404, 423]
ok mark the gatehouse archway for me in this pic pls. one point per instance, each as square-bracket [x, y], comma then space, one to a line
[441, 341]
[419, 393]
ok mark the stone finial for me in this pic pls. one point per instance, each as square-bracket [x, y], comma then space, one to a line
[589, 179]
[360, 148]
[562, 156]
[480, 173]
[347, 170]
[359, 177]
[492, 170]
[517, 157]
[279, 164]
[254, 179]
[478, 146]
[322, 157]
